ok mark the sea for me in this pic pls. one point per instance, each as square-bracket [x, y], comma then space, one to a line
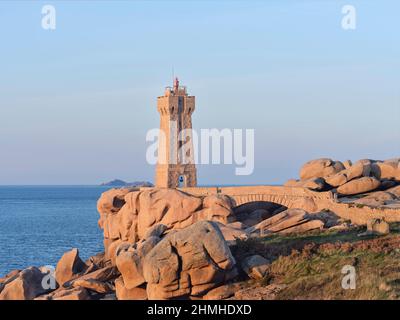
[39, 223]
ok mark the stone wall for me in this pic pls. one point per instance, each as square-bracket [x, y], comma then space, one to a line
[303, 198]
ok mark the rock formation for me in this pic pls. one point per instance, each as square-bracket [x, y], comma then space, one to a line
[126, 215]
[24, 285]
[188, 262]
[255, 266]
[348, 179]
[320, 168]
[69, 266]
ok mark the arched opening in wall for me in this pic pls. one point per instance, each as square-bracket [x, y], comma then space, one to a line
[251, 213]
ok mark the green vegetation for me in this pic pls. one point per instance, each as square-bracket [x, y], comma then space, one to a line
[310, 265]
[318, 276]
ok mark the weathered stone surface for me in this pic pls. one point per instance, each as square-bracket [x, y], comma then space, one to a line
[361, 168]
[337, 179]
[255, 266]
[99, 281]
[304, 227]
[129, 263]
[9, 277]
[279, 221]
[231, 233]
[93, 285]
[259, 292]
[157, 230]
[236, 225]
[188, 262]
[130, 257]
[379, 226]
[388, 169]
[337, 174]
[306, 204]
[216, 208]
[111, 247]
[395, 191]
[102, 275]
[358, 170]
[347, 164]
[112, 200]
[77, 293]
[25, 285]
[341, 226]
[170, 207]
[130, 260]
[109, 296]
[360, 185]
[69, 267]
[225, 291]
[119, 225]
[316, 184]
[329, 218]
[375, 199]
[291, 220]
[95, 262]
[369, 202]
[141, 210]
[288, 222]
[123, 293]
[320, 168]
[387, 184]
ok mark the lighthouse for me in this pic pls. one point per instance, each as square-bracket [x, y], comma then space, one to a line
[176, 167]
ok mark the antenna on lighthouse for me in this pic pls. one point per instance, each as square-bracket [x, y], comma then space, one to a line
[173, 74]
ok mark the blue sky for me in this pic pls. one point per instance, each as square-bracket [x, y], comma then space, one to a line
[76, 102]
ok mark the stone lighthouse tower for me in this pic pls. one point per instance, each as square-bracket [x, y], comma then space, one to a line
[175, 167]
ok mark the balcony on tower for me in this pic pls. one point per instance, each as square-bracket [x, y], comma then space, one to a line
[176, 89]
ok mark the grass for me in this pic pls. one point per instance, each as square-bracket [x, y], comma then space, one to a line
[319, 276]
[310, 265]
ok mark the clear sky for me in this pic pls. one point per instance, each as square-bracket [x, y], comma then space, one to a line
[76, 102]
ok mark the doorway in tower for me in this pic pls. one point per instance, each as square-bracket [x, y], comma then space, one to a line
[182, 181]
